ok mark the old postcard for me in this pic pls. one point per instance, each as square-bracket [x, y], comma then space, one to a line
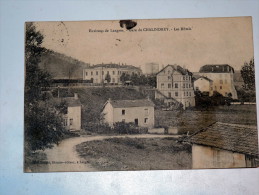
[140, 95]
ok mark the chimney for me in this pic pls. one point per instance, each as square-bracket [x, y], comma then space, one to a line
[75, 96]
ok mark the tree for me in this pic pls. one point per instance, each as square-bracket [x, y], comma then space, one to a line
[108, 78]
[248, 74]
[43, 124]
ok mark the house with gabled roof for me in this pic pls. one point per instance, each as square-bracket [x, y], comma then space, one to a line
[72, 112]
[138, 111]
[224, 145]
[174, 85]
[203, 84]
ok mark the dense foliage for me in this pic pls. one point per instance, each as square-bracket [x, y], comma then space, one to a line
[248, 75]
[43, 122]
[137, 79]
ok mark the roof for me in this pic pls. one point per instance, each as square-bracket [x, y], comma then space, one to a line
[113, 66]
[131, 103]
[232, 137]
[177, 68]
[216, 68]
[196, 77]
[70, 101]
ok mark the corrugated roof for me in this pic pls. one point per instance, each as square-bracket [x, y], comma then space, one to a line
[216, 68]
[232, 137]
[131, 103]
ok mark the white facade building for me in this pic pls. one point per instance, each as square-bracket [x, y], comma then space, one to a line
[98, 73]
[175, 83]
[140, 112]
[222, 76]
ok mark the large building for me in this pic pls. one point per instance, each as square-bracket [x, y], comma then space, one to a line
[139, 111]
[222, 76]
[174, 84]
[100, 72]
[224, 145]
[203, 84]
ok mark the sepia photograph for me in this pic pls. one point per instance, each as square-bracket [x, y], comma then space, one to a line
[144, 94]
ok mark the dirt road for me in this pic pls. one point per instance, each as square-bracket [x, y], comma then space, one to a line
[63, 157]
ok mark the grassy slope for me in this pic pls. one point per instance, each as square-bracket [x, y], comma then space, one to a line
[193, 121]
[136, 154]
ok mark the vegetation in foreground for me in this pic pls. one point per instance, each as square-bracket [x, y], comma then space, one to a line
[136, 154]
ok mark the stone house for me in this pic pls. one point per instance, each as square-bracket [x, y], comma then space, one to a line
[139, 111]
[174, 84]
[222, 76]
[224, 145]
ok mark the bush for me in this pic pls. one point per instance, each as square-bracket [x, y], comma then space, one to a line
[128, 128]
[98, 127]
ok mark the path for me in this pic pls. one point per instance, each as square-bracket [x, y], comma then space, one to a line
[65, 158]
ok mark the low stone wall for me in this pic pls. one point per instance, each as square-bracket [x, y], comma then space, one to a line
[157, 131]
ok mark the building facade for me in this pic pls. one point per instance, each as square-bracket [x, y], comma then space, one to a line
[72, 117]
[175, 83]
[222, 76]
[100, 72]
[140, 112]
[224, 145]
[203, 84]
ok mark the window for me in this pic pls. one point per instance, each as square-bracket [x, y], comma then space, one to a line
[162, 85]
[169, 94]
[169, 77]
[123, 120]
[96, 72]
[169, 72]
[113, 72]
[71, 121]
[107, 72]
[221, 81]
[102, 72]
[176, 85]
[190, 93]
[187, 93]
[91, 73]
[183, 77]
[86, 73]
[184, 85]
[183, 93]
[123, 112]
[118, 72]
[190, 86]
[146, 120]
[169, 85]
[113, 80]
[65, 122]
[176, 93]
[220, 87]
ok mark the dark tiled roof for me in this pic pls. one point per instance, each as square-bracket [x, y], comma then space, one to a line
[114, 66]
[178, 68]
[131, 103]
[216, 68]
[232, 137]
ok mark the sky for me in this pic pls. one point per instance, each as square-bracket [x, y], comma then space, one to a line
[208, 41]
